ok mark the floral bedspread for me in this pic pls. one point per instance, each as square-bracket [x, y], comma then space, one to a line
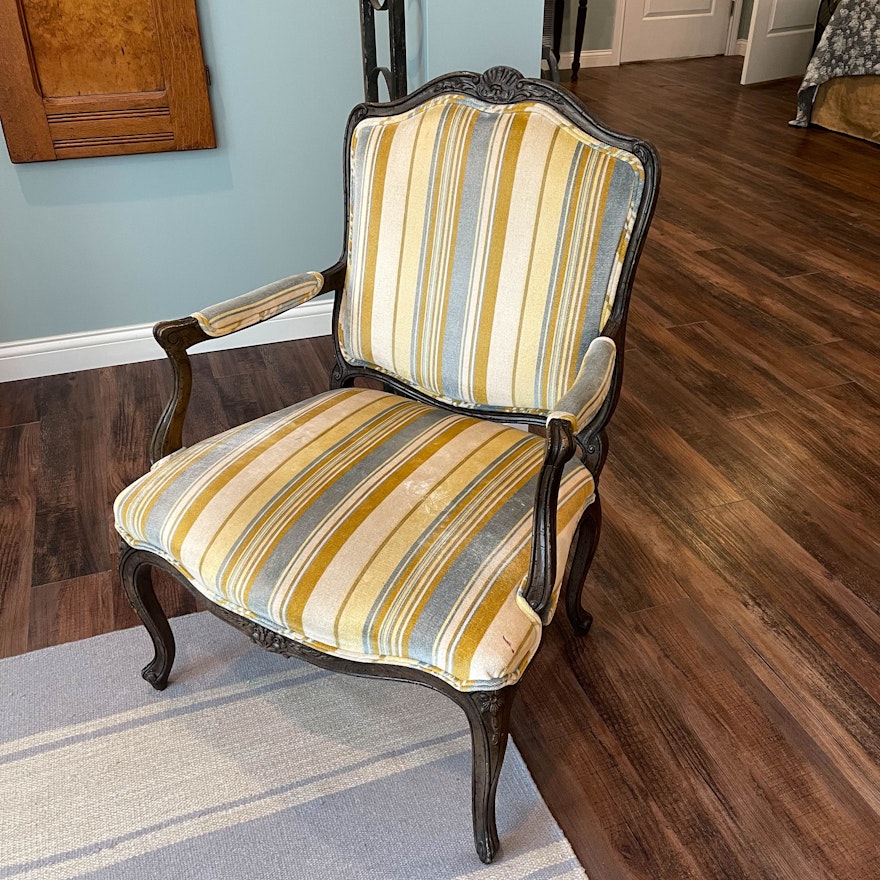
[850, 46]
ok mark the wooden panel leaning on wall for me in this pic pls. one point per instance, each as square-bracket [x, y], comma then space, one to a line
[98, 78]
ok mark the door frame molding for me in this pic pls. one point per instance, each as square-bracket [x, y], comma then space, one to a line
[733, 34]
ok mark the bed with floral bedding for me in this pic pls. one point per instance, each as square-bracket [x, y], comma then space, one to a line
[841, 88]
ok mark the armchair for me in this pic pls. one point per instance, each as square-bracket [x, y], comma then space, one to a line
[417, 532]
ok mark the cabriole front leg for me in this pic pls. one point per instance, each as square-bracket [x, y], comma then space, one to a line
[488, 714]
[135, 573]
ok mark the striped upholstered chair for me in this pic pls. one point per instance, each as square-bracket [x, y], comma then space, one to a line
[492, 232]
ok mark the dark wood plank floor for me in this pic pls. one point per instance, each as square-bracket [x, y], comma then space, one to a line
[721, 720]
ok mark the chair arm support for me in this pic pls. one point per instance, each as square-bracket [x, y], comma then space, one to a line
[175, 337]
[259, 305]
[542, 568]
[178, 335]
[584, 399]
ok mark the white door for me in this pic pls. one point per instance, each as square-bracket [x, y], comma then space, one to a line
[656, 29]
[780, 39]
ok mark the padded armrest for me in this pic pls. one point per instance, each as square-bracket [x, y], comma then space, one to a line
[583, 399]
[260, 304]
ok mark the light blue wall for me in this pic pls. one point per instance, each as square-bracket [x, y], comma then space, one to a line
[94, 243]
[89, 244]
[477, 34]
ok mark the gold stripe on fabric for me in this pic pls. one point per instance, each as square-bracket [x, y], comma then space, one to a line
[371, 215]
[428, 359]
[490, 475]
[398, 331]
[502, 209]
[403, 545]
[399, 194]
[134, 505]
[499, 609]
[335, 575]
[405, 523]
[622, 248]
[564, 306]
[591, 200]
[532, 351]
[194, 498]
[191, 529]
[332, 536]
[324, 531]
[341, 446]
[509, 315]
[482, 228]
[466, 613]
[432, 247]
[495, 603]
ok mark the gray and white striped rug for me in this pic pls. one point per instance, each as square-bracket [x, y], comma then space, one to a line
[247, 766]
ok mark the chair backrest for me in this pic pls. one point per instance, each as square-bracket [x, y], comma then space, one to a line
[490, 236]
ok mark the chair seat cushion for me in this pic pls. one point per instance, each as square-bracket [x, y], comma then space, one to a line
[364, 525]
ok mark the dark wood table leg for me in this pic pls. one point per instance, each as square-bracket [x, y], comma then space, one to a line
[578, 38]
[558, 15]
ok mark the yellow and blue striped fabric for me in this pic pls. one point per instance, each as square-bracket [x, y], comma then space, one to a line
[485, 246]
[260, 304]
[591, 386]
[365, 525]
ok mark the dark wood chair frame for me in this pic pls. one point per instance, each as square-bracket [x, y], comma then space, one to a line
[487, 712]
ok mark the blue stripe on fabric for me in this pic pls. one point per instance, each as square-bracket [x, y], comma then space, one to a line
[470, 557]
[620, 198]
[343, 487]
[453, 383]
[548, 326]
[447, 591]
[423, 291]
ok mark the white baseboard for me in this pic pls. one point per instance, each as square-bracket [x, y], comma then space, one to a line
[589, 58]
[741, 46]
[127, 345]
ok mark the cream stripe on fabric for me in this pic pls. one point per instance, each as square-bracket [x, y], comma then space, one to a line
[365, 525]
[259, 305]
[486, 243]
[515, 279]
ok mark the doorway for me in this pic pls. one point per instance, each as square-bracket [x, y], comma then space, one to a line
[663, 29]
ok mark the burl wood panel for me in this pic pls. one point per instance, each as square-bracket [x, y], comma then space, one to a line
[94, 47]
[85, 78]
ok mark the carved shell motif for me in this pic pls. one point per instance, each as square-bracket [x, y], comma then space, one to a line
[267, 639]
[499, 84]
[278, 644]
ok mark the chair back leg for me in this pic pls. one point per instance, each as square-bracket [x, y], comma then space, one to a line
[583, 549]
